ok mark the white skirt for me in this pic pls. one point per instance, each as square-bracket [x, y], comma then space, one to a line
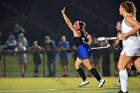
[131, 46]
[131, 52]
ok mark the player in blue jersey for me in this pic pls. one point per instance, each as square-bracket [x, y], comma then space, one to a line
[82, 40]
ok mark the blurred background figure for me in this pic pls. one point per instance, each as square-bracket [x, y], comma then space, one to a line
[35, 49]
[22, 39]
[50, 48]
[63, 46]
[11, 42]
[17, 29]
[96, 55]
[0, 36]
[21, 57]
[117, 48]
[0, 51]
[74, 54]
[116, 54]
[0, 57]
[105, 53]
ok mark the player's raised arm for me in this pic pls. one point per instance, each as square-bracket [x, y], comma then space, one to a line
[68, 22]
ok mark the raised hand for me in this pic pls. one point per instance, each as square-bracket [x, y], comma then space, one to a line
[63, 10]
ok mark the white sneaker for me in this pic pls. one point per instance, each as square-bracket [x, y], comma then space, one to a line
[101, 83]
[118, 84]
[84, 83]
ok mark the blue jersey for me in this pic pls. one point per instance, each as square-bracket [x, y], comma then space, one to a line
[64, 54]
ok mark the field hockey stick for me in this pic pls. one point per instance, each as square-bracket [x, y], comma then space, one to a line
[93, 48]
[96, 48]
[106, 38]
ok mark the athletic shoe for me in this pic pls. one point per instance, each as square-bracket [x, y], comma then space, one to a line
[118, 84]
[84, 83]
[122, 91]
[101, 83]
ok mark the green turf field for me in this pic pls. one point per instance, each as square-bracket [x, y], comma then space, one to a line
[62, 85]
[12, 66]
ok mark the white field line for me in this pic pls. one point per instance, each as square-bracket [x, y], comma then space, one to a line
[31, 90]
[24, 90]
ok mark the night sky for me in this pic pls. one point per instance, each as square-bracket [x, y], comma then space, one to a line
[43, 17]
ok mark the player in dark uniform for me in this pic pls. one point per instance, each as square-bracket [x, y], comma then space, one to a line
[82, 40]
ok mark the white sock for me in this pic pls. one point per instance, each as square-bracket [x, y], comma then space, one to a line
[124, 80]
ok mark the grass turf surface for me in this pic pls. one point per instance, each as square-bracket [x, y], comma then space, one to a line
[62, 85]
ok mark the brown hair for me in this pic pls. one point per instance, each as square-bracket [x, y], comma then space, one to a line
[82, 25]
[129, 7]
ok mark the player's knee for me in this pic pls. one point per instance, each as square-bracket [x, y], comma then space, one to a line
[89, 67]
[121, 67]
[77, 66]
